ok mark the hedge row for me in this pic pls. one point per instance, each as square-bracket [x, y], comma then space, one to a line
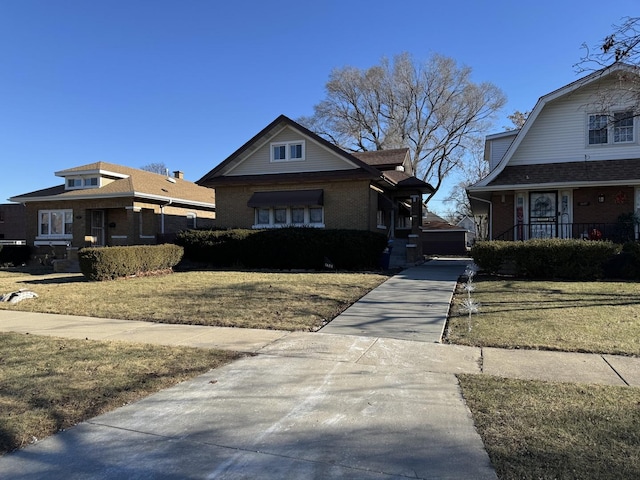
[552, 258]
[14, 254]
[107, 263]
[285, 248]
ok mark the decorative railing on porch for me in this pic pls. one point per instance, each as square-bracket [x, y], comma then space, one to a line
[616, 232]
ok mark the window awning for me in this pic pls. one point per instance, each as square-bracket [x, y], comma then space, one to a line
[289, 198]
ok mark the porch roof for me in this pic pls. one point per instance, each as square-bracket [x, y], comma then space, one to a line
[589, 171]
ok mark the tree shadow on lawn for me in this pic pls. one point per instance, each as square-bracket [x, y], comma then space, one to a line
[577, 299]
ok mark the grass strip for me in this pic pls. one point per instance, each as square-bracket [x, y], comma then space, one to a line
[539, 430]
[50, 384]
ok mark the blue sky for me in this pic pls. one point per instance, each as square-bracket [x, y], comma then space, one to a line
[187, 82]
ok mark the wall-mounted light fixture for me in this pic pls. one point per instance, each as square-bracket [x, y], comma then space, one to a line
[601, 198]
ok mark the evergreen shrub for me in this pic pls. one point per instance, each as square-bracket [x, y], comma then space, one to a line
[14, 254]
[549, 258]
[108, 263]
[285, 248]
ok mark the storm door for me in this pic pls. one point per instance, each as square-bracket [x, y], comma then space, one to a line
[543, 214]
[97, 226]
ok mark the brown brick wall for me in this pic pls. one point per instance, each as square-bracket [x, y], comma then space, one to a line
[617, 200]
[503, 213]
[346, 204]
[13, 221]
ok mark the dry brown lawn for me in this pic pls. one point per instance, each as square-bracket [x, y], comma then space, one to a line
[268, 300]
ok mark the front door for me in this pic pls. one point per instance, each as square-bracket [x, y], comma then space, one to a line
[543, 214]
[97, 226]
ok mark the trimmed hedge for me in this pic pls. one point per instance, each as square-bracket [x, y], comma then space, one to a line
[285, 248]
[551, 258]
[107, 263]
[14, 254]
[625, 264]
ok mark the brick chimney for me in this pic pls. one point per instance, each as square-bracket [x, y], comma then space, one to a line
[178, 174]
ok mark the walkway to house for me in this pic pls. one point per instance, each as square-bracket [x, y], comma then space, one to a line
[381, 404]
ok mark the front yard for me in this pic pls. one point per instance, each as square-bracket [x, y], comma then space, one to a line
[532, 430]
[543, 430]
[278, 301]
[595, 317]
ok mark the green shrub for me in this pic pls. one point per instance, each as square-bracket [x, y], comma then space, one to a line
[285, 248]
[549, 258]
[14, 254]
[213, 247]
[107, 263]
[625, 264]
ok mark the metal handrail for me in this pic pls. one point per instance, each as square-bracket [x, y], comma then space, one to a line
[619, 232]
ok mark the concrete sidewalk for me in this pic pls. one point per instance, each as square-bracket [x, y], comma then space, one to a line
[383, 403]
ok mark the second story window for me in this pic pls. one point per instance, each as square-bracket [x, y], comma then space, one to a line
[598, 129]
[622, 127]
[611, 129]
[287, 151]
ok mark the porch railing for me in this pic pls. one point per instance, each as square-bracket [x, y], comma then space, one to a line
[615, 232]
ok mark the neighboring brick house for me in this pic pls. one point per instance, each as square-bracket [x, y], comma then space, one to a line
[287, 175]
[573, 169]
[12, 224]
[106, 204]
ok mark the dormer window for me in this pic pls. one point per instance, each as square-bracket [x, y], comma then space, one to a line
[287, 151]
[82, 182]
[611, 129]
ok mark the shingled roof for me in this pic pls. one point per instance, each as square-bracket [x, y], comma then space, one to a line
[127, 182]
[382, 159]
[597, 171]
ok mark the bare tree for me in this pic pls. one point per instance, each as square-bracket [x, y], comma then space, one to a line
[433, 108]
[622, 45]
[517, 118]
[160, 168]
[474, 169]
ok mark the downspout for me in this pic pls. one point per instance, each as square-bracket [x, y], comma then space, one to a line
[162, 215]
[490, 213]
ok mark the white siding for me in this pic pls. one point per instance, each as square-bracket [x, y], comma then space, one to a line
[559, 133]
[497, 148]
[317, 158]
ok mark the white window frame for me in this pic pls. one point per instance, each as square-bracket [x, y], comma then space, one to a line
[77, 183]
[287, 149]
[82, 182]
[57, 236]
[612, 129]
[288, 222]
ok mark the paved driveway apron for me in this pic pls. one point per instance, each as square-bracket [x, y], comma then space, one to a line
[307, 406]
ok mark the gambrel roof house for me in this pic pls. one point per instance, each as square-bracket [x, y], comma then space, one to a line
[573, 170]
[107, 204]
[287, 175]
